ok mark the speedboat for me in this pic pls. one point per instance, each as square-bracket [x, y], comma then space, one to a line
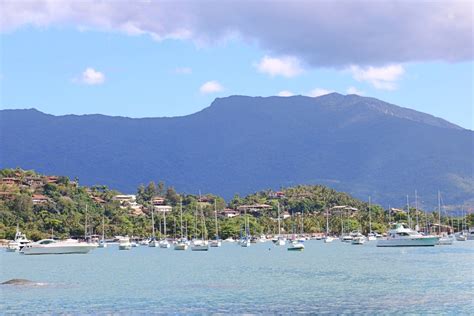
[164, 244]
[125, 244]
[215, 243]
[461, 237]
[296, 246]
[358, 240]
[181, 244]
[154, 243]
[400, 235]
[18, 243]
[328, 239]
[199, 245]
[279, 241]
[446, 240]
[371, 236]
[51, 246]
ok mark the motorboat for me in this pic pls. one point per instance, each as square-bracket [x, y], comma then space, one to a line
[358, 240]
[18, 243]
[446, 240]
[401, 235]
[296, 246]
[154, 243]
[125, 244]
[199, 245]
[52, 246]
[328, 239]
[470, 234]
[279, 241]
[347, 238]
[461, 237]
[181, 244]
[371, 236]
[215, 243]
[164, 243]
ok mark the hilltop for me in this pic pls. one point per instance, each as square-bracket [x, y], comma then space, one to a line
[241, 144]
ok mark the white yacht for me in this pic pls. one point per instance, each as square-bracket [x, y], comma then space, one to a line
[18, 243]
[164, 243]
[125, 244]
[446, 240]
[400, 235]
[199, 245]
[215, 243]
[371, 236]
[51, 246]
[182, 244]
[358, 240]
[296, 246]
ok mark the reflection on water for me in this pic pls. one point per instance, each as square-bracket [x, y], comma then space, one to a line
[325, 278]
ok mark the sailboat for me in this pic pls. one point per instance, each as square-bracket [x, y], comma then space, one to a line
[245, 242]
[327, 238]
[200, 244]
[182, 242]
[164, 242]
[444, 240]
[371, 235]
[102, 243]
[153, 242]
[280, 240]
[216, 242]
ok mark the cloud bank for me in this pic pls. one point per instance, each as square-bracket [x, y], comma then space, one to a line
[320, 33]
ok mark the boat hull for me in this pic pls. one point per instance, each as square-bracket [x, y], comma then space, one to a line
[82, 249]
[408, 242]
[180, 247]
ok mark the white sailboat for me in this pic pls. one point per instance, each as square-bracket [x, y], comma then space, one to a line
[444, 239]
[279, 240]
[327, 238]
[200, 244]
[371, 235]
[182, 242]
[245, 242]
[153, 242]
[102, 243]
[164, 242]
[216, 242]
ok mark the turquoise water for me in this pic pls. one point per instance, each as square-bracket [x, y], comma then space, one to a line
[335, 278]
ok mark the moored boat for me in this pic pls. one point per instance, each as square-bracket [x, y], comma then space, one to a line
[125, 244]
[51, 246]
[296, 246]
[400, 235]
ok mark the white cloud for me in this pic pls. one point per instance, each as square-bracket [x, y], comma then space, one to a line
[383, 78]
[320, 33]
[286, 66]
[285, 93]
[319, 92]
[183, 70]
[354, 90]
[92, 77]
[211, 87]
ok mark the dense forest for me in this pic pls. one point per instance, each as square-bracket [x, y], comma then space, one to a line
[43, 205]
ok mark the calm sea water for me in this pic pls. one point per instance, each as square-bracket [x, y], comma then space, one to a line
[335, 278]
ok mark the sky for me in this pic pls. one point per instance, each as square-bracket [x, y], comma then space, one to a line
[163, 58]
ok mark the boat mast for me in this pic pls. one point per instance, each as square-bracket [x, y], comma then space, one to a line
[164, 223]
[327, 222]
[439, 213]
[215, 213]
[408, 212]
[279, 225]
[153, 222]
[370, 218]
[416, 209]
[181, 214]
[85, 226]
[103, 227]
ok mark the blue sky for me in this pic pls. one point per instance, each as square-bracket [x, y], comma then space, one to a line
[64, 68]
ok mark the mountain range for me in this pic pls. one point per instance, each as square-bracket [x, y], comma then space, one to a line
[241, 144]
